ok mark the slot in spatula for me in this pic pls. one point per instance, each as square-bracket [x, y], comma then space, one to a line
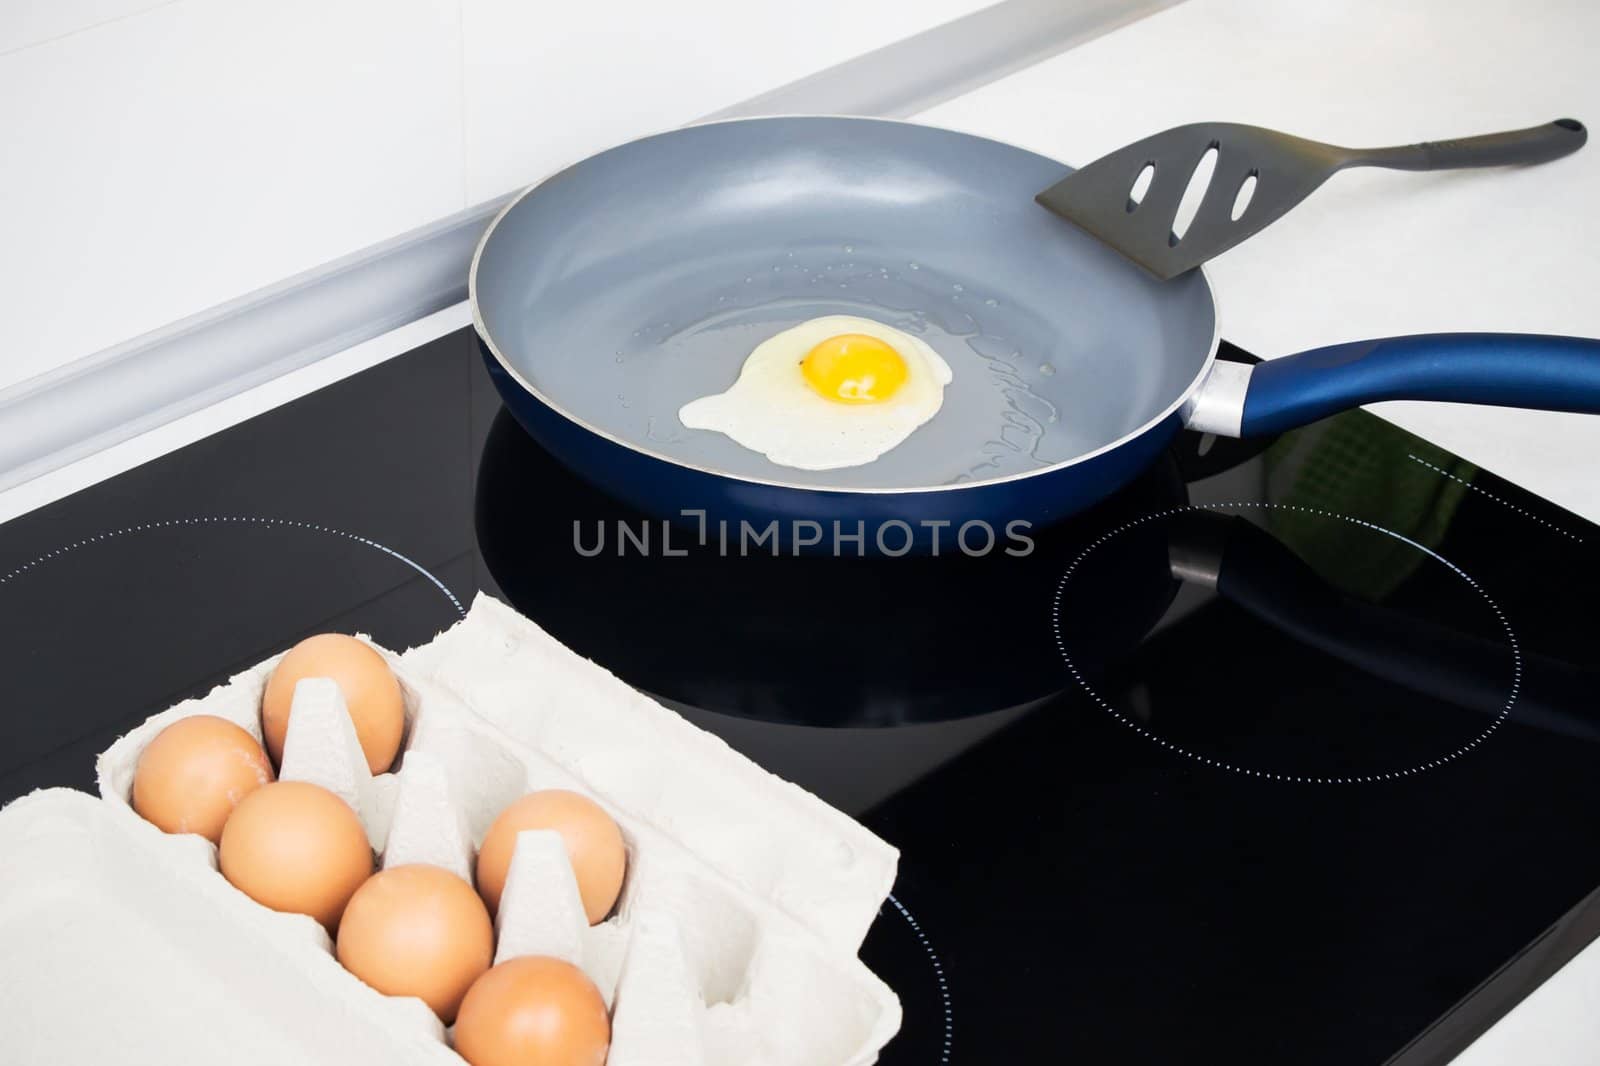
[1116, 201]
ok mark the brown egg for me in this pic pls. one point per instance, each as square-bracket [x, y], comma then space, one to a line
[417, 930]
[297, 847]
[533, 1010]
[369, 687]
[194, 772]
[594, 844]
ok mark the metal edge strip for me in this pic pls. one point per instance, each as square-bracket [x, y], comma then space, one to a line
[105, 398]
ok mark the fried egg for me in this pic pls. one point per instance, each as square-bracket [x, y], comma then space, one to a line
[831, 392]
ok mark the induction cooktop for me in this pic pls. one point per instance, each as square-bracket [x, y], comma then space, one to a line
[1286, 753]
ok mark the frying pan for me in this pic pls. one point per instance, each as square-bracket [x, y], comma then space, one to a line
[614, 292]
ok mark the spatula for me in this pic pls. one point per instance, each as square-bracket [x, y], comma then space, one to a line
[1130, 198]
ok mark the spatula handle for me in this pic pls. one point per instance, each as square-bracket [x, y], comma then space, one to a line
[1537, 144]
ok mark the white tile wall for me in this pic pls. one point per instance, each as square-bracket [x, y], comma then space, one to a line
[550, 83]
[167, 161]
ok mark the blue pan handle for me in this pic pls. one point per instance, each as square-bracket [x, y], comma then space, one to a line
[1504, 369]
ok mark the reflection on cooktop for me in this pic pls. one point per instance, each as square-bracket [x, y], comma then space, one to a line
[1398, 691]
[808, 640]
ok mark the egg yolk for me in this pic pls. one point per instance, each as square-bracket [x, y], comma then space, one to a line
[854, 368]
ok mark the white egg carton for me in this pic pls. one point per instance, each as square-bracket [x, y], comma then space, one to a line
[733, 943]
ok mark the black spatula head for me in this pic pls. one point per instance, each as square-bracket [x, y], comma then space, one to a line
[1130, 198]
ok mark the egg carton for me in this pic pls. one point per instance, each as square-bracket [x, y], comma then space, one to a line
[734, 940]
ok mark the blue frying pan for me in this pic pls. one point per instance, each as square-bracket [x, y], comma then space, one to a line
[611, 294]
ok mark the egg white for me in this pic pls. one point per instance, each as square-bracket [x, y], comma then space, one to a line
[773, 410]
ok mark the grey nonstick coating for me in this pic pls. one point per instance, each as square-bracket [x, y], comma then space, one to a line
[641, 278]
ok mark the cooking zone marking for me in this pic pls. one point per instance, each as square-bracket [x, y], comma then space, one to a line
[1503, 503]
[938, 972]
[1393, 775]
[246, 520]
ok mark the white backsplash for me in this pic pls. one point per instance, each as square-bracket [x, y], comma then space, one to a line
[163, 157]
[547, 84]
[167, 161]
[29, 22]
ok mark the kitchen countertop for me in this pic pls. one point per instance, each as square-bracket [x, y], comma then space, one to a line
[1373, 253]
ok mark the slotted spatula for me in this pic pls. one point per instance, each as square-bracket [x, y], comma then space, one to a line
[1112, 199]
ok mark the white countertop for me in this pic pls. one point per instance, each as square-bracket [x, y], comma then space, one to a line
[1371, 254]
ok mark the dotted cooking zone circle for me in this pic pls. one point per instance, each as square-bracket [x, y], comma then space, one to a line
[1524, 512]
[240, 520]
[938, 973]
[1392, 775]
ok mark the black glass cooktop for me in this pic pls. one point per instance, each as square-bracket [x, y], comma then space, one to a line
[1287, 753]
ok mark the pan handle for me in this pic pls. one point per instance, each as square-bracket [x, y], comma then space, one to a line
[1503, 369]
